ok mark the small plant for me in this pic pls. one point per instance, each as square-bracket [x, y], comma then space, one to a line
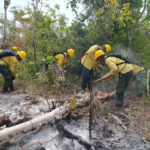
[72, 105]
[50, 75]
[76, 78]
[1, 81]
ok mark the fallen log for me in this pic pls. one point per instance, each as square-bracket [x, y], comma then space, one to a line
[38, 122]
[115, 118]
[126, 116]
[118, 121]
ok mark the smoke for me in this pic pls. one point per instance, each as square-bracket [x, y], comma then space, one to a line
[126, 52]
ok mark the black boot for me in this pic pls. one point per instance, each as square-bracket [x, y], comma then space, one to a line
[140, 95]
[12, 89]
[5, 90]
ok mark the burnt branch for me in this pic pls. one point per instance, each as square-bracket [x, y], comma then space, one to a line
[66, 133]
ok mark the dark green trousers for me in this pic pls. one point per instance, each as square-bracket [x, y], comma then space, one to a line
[138, 80]
[7, 76]
[86, 77]
[121, 87]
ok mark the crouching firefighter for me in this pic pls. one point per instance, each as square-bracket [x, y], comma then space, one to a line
[117, 65]
[139, 74]
[8, 63]
[88, 61]
[60, 62]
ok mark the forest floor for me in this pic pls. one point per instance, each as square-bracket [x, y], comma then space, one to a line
[124, 133]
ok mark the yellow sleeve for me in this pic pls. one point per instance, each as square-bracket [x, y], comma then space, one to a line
[112, 66]
[13, 70]
[12, 66]
[64, 62]
[91, 52]
[60, 61]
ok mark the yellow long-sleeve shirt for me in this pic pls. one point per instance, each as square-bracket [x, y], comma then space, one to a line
[60, 60]
[10, 62]
[88, 60]
[112, 62]
[136, 69]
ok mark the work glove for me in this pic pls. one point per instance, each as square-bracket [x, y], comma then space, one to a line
[13, 78]
[60, 78]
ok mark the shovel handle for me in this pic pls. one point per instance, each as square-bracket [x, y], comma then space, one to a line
[113, 93]
[97, 80]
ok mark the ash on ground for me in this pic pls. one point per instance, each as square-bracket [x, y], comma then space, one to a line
[49, 138]
[110, 136]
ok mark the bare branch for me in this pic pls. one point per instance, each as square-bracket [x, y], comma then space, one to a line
[143, 10]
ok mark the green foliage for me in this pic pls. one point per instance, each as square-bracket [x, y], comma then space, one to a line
[27, 71]
[32, 68]
[7, 3]
[17, 11]
[72, 105]
[140, 46]
[1, 81]
[30, 76]
[75, 79]
[50, 76]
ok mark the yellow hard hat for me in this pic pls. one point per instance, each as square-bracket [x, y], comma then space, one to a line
[108, 48]
[1, 51]
[15, 49]
[22, 54]
[98, 54]
[71, 52]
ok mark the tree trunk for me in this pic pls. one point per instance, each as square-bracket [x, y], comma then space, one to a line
[35, 7]
[4, 36]
[18, 130]
[148, 71]
[6, 4]
[34, 46]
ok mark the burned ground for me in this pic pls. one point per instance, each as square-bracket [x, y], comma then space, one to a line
[124, 131]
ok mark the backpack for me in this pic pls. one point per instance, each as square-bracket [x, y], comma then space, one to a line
[58, 52]
[7, 52]
[126, 59]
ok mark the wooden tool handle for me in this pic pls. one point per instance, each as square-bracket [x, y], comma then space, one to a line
[113, 93]
[97, 80]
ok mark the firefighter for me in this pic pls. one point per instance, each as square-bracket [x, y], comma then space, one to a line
[15, 49]
[60, 62]
[8, 69]
[105, 48]
[116, 66]
[139, 74]
[88, 61]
